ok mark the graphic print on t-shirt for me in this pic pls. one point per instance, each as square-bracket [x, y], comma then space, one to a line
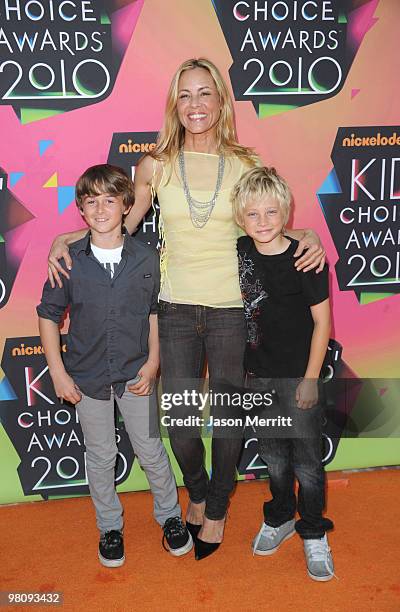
[252, 294]
[278, 301]
[109, 258]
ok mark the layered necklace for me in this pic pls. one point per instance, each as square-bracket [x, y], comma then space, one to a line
[200, 212]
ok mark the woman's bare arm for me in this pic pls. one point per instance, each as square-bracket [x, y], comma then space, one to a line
[59, 249]
[142, 182]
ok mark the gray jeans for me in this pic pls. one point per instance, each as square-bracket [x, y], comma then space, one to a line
[97, 421]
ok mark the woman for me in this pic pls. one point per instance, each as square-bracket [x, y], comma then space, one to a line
[193, 168]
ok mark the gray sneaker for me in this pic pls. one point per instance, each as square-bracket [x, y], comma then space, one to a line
[319, 559]
[268, 539]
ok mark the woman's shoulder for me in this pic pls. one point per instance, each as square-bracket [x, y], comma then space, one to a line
[148, 170]
[145, 166]
[247, 162]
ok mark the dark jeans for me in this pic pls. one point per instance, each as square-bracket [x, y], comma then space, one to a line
[188, 335]
[292, 458]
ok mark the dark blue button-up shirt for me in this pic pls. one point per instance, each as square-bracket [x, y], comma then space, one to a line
[107, 341]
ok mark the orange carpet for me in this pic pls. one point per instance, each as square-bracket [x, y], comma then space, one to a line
[52, 546]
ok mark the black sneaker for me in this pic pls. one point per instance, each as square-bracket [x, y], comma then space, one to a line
[111, 549]
[178, 538]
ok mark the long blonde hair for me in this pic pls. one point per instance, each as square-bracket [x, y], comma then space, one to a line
[172, 134]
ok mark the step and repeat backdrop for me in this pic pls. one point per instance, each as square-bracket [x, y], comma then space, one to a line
[315, 86]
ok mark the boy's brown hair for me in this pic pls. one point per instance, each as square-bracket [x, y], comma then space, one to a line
[105, 178]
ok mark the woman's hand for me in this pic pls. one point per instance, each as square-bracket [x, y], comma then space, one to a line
[59, 250]
[314, 256]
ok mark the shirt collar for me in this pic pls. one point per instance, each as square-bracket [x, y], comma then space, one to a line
[84, 243]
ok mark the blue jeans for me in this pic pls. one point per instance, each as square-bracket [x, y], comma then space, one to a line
[299, 458]
[188, 335]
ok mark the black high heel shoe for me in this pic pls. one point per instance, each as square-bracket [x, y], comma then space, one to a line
[204, 549]
[193, 530]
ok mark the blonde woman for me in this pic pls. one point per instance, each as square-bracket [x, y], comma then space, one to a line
[193, 169]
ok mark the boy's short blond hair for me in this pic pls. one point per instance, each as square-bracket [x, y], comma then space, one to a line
[256, 184]
[105, 178]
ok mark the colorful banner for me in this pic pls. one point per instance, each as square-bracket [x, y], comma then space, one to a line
[290, 54]
[315, 88]
[59, 56]
[358, 199]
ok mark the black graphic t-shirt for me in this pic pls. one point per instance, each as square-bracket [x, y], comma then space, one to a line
[277, 300]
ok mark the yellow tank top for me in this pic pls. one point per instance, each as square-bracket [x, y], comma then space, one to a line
[199, 266]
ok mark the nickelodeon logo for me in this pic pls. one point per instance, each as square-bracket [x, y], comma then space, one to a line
[371, 141]
[136, 147]
[38, 349]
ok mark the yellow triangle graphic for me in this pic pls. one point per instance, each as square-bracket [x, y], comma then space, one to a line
[52, 181]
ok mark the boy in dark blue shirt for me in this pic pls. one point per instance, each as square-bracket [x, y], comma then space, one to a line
[288, 322]
[112, 353]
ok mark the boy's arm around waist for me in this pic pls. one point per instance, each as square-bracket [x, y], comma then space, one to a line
[156, 284]
[149, 369]
[154, 341]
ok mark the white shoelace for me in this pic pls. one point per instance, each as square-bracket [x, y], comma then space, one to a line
[319, 551]
[265, 531]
